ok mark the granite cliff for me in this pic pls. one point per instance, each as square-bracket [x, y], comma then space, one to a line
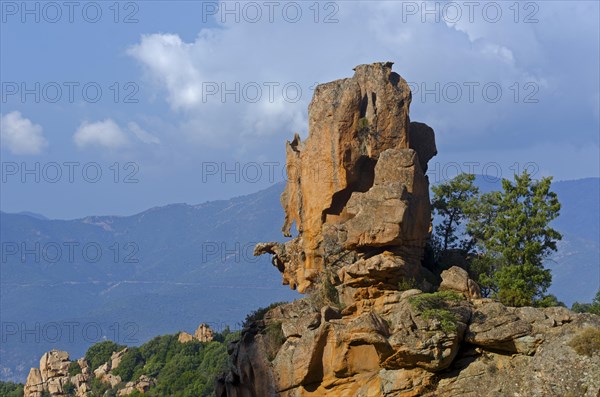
[375, 321]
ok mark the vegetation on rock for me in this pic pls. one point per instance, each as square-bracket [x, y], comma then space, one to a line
[74, 368]
[100, 353]
[435, 306]
[323, 291]
[274, 339]
[259, 314]
[586, 342]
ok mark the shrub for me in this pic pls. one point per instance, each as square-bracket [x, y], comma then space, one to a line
[274, 339]
[259, 313]
[586, 342]
[435, 306]
[100, 353]
[69, 389]
[436, 300]
[10, 389]
[446, 318]
[74, 368]
[407, 283]
[548, 301]
[130, 363]
[323, 291]
[363, 123]
[98, 388]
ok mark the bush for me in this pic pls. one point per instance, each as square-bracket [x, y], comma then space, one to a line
[100, 353]
[548, 301]
[436, 300]
[446, 318]
[323, 292]
[407, 283]
[435, 307]
[274, 339]
[10, 389]
[586, 342]
[593, 308]
[69, 389]
[259, 313]
[99, 388]
[130, 363]
[180, 369]
[74, 368]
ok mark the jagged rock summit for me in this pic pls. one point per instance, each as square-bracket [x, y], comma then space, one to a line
[357, 184]
[372, 324]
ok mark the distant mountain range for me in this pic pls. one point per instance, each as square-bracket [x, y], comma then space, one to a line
[170, 268]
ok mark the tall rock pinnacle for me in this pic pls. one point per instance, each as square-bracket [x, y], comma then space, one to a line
[357, 183]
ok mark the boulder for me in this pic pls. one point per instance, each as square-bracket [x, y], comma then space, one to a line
[185, 337]
[203, 333]
[116, 357]
[457, 279]
[493, 326]
[54, 363]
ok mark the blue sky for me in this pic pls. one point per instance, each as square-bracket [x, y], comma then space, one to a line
[504, 86]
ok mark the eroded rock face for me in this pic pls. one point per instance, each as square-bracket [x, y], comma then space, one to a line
[51, 376]
[143, 384]
[357, 182]
[203, 333]
[392, 345]
[457, 279]
[370, 327]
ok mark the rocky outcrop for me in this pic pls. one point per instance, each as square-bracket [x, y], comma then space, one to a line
[457, 279]
[357, 181]
[143, 384]
[371, 325]
[203, 334]
[51, 376]
[184, 337]
[412, 344]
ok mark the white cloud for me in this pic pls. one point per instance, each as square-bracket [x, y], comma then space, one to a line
[142, 134]
[20, 135]
[170, 63]
[106, 134]
[512, 55]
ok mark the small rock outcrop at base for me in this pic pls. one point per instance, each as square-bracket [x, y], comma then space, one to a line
[52, 377]
[376, 322]
[203, 334]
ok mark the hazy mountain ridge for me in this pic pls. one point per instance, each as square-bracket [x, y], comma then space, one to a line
[179, 279]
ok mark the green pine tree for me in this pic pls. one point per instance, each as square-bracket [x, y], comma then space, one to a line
[514, 237]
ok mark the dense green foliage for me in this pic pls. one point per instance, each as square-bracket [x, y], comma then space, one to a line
[100, 353]
[74, 368]
[10, 389]
[453, 202]
[593, 307]
[506, 236]
[259, 313]
[180, 369]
